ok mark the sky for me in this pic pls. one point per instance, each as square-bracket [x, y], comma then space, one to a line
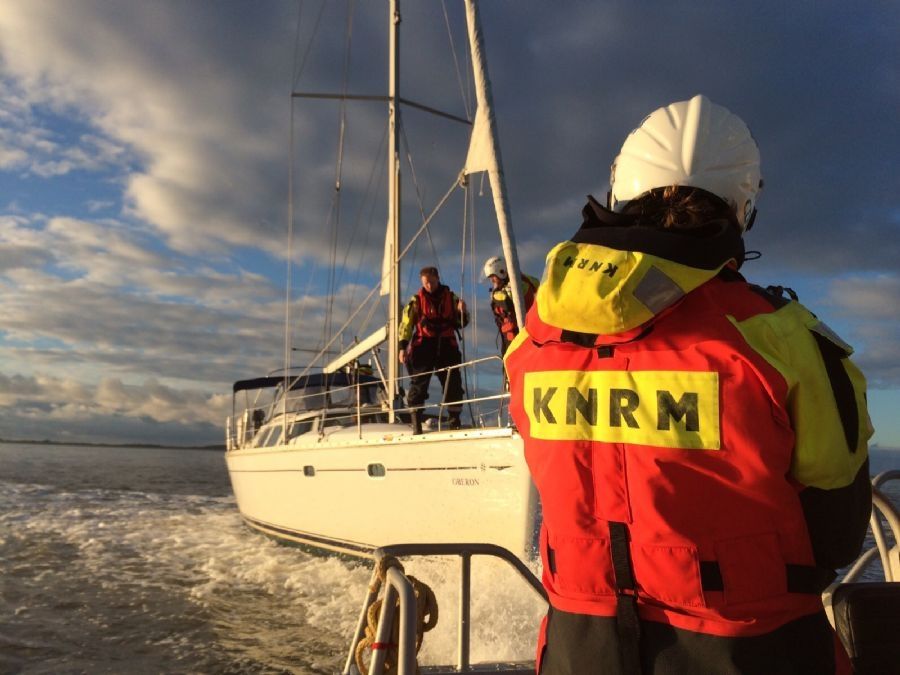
[147, 150]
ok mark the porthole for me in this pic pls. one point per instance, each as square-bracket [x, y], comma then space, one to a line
[376, 470]
[309, 470]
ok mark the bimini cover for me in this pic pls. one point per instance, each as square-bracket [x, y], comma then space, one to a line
[302, 382]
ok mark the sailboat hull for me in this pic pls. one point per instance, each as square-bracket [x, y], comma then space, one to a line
[355, 490]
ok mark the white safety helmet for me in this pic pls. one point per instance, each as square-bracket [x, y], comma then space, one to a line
[694, 143]
[496, 265]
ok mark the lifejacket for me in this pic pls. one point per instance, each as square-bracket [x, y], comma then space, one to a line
[504, 309]
[674, 456]
[437, 315]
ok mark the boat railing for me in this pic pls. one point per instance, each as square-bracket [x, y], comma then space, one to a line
[886, 549]
[889, 552]
[356, 403]
[399, 603]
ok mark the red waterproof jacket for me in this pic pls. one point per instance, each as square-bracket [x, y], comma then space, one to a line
[432, 315]
[504, 310]
[718, 428]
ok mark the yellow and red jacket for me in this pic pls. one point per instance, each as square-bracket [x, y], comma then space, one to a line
[722, 427]
[432, 315]
[504, 310]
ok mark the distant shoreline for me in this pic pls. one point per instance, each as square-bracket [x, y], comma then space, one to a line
[218, 446]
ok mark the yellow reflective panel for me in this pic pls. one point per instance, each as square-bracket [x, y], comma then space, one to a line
[669, 409]
[591, 288]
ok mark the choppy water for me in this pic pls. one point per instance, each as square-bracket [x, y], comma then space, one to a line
[125, 560]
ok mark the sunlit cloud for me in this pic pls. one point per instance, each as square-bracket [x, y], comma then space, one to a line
[872, 305]
[144, 153]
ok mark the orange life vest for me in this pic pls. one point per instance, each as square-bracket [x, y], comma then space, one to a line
[504, 310]
[437, 315]
[676, 437]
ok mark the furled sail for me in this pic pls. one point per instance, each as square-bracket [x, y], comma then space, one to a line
[386, 264]
[481, 156]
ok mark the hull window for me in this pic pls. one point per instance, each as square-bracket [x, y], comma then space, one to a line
[376, 470]
[309, 470]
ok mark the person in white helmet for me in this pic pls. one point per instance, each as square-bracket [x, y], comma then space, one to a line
[699, 443]
[502, 305]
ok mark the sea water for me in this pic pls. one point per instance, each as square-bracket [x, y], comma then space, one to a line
[134, 560]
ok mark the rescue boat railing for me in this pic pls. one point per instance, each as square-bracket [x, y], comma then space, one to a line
[882, 507]
[398, 586]
[889, 552]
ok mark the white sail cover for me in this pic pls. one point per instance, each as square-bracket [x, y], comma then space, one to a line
[386, 264]
[481, 149]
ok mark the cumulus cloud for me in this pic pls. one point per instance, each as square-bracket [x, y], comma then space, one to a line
[180, 96]
[179, 114]
[29, 145]
[62, 409]
[875, 297]
[871, 304]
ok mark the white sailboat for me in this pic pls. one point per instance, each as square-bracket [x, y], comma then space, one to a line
[331, 461]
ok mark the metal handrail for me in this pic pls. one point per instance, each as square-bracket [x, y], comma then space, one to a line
[396, 582]
[397, 585]
[882, 503]
[280, 407]
[882, 506]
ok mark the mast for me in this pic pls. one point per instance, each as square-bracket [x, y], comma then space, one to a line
[485, 143]
[392, 242]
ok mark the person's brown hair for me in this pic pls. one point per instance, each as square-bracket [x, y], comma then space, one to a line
[680, 207]
[429, 270]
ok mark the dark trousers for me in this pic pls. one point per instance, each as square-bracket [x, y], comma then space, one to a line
[433, 354]
[578, 644]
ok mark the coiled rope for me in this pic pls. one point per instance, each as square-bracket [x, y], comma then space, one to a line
[426, 618]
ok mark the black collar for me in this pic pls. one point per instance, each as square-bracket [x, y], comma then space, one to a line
[714, 245]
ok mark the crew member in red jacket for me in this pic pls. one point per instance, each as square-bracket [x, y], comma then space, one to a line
[502, 305]
[699, 443]
[428, 343]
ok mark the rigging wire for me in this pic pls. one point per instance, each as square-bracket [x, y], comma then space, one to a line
[333, 218]
[420, 204]
[475, 278]
[462, 289]
[424, 226]
[296, 46]
[377, 286]
[290, 250]
[376, 176]
[332, 290]
[462, 89]
[364, 324]
[298, 69]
